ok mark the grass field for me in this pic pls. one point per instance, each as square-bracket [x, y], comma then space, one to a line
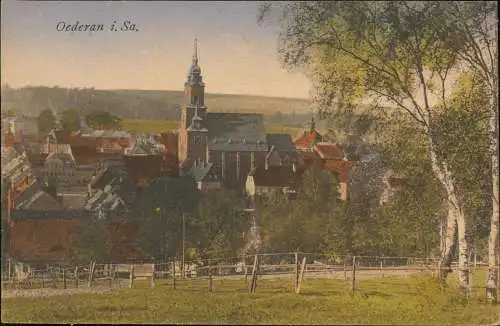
[149, 126]
[413, 300]
[156, 126]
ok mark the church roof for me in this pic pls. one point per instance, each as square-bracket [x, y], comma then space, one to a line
[236, 132]
[281, 142]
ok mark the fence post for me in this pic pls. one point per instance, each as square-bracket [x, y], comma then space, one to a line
[54, 280]
[353, 281]
[382, 267]
[153, 276]
[210, 282]
[253, 285]
[246, 269]
[301, 277]
[345, 270]
[10, 269]
[110, 275]
[296, 279]
[131, 277]
[173, 273]
[64, 278]
[91, 273]
[76, 277]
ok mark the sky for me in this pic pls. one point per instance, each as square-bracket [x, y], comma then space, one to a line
[236, 55]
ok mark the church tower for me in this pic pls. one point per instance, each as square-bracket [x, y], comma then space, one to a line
[192, 134]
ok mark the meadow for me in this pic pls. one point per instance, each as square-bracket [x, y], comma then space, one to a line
[391, 300]
[158, 126]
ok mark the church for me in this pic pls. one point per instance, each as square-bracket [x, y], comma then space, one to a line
[225, 146]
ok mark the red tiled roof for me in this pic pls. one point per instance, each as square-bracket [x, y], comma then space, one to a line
[307, 139]
[338, 166]
[329, 151]
[308, 158]
[276, 176]
[84, 155]
[62, 136]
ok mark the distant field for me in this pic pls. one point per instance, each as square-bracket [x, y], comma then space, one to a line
[156, 126]
[149, 126]
[414, 300]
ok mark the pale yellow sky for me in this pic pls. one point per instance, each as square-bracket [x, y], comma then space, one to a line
[236, 55]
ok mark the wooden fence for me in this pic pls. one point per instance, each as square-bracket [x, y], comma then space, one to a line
[253, 269]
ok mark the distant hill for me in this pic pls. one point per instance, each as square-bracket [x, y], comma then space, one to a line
[157, 126]
[143, 104]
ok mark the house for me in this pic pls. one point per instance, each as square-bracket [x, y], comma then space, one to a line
[326, 155]
[204, 175]
[118, 181]
[305, 142]
[144, 160]
[265, 181]
[282, 150]
[106, 204]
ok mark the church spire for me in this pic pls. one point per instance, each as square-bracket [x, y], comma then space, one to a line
[195, 53]
[194, 74]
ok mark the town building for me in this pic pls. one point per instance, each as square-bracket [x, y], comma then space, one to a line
[233, 143]
[326, 155]
[267, 181]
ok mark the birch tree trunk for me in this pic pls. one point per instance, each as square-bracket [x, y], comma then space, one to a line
[456, 217]
[492, 280]
[444, 266]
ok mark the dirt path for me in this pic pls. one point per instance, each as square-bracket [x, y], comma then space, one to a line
[38, 293]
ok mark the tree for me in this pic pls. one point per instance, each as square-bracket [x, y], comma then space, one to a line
[92, 241]
[159, 212]
[70, 120]
[45, 120]
[217, 228]
[299, 224]
[103, 120]
[470, 29]
[384, 51]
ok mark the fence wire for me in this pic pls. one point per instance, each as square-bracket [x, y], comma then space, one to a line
[236, 272]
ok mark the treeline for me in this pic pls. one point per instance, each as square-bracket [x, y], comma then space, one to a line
[145, 104]
[70, 120]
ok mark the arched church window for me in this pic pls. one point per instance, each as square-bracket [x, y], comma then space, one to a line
[195, 100]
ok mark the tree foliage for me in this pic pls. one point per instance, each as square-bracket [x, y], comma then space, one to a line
[92, 241]
[217, 228]
[70, 120]
[103, 120]
[45, 120]
[159, 212]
